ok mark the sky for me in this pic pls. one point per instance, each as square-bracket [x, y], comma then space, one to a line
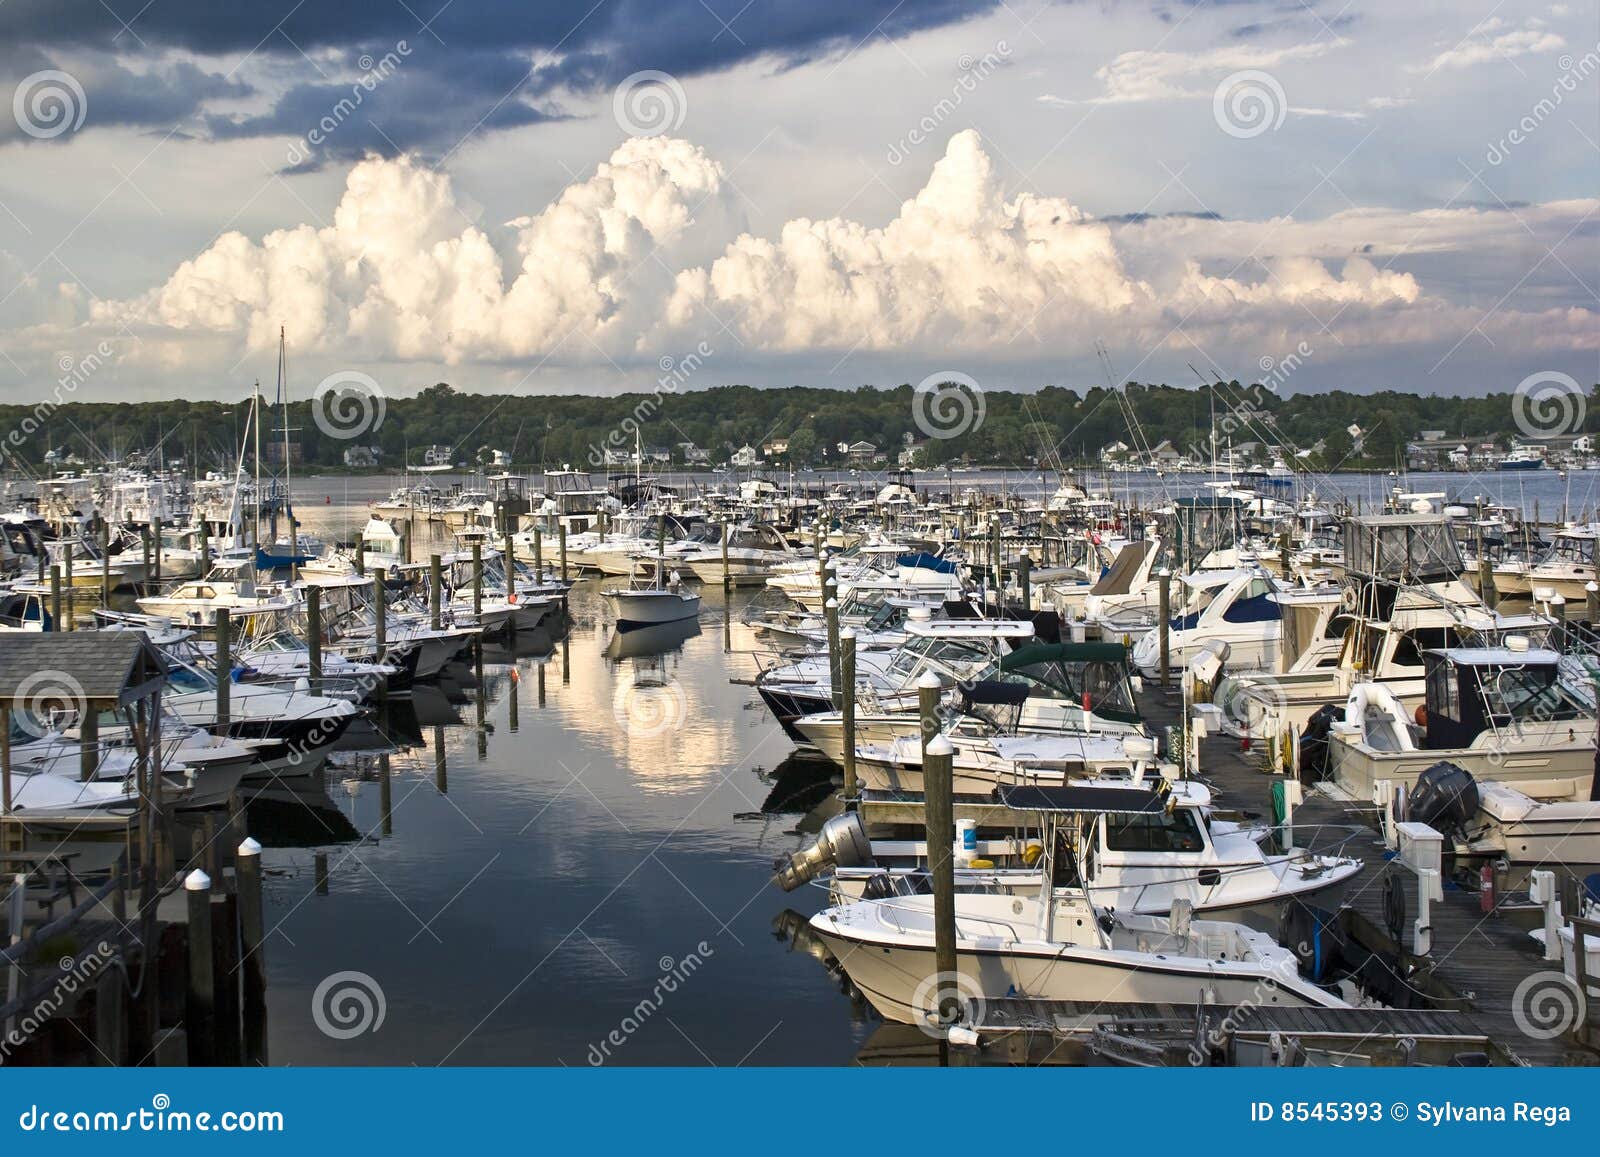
[581, 197]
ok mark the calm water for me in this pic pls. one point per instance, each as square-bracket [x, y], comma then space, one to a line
[541, 873]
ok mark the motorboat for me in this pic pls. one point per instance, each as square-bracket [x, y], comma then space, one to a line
[1059, 944]
[652, 599]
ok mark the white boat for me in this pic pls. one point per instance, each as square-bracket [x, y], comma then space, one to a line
[1500, 713]
[1058, 945]
[653, 600]
[753, 551]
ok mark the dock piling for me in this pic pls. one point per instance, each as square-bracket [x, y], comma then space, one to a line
[847, 691]
[202, 997]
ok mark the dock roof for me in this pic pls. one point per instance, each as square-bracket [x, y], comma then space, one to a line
[106, 666]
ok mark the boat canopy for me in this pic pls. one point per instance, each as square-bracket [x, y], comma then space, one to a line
[922, 560]
[1401, 548]
[1079, 799]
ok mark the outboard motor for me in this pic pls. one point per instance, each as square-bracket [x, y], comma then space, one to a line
[1314, 742]
[1445, 798]
[842, 843]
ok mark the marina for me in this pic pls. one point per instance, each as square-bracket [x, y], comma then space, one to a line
[449, 787]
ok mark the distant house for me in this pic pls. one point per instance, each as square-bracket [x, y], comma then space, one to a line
[776, 448]
[1113, 452]
[859, 453]
[692, 454]
[360, 457]
[743, 457]
[438, 455]
[616, 457]
[1166, 454]
[657, 454]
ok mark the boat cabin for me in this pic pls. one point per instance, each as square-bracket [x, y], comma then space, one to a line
[1471, 690]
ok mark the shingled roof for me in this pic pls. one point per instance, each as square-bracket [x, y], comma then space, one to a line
[110, 666]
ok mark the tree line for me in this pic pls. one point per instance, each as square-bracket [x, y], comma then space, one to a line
[1054, 425]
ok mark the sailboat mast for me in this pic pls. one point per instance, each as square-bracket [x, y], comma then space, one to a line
[255, 433]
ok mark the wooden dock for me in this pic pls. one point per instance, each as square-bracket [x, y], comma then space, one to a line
[1476, 960]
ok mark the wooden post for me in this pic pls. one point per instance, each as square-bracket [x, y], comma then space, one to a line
[105, 564]
[314, 635]
[538, 552]
[928, 692]
[1024, 574]
[252, 947]
[144, 541]
[994, 553]
[205, 549]
[1164, 625]
[224, 666]
[67, 568]
[319, 873]
[202, 979]
[435, 585]
[155, 533]
[361, 557]
[939, 817]
[55, 596]
[108, 1013]
[847, 692]
[1591, 604]
[562, 527]
[88, 742]
[477, 579]
[5, 755]
[385, 796]
[830, 610]
[1486, 588]
[727, 575]
[380, 611]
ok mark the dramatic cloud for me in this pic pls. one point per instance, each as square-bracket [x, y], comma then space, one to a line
[608, 267]
[468, 68]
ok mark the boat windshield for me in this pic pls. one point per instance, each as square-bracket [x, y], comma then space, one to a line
[1529, 695]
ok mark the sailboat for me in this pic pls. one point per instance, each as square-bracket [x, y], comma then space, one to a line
[292, 549]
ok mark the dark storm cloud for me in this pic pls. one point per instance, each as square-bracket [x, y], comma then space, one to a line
[471, 65]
